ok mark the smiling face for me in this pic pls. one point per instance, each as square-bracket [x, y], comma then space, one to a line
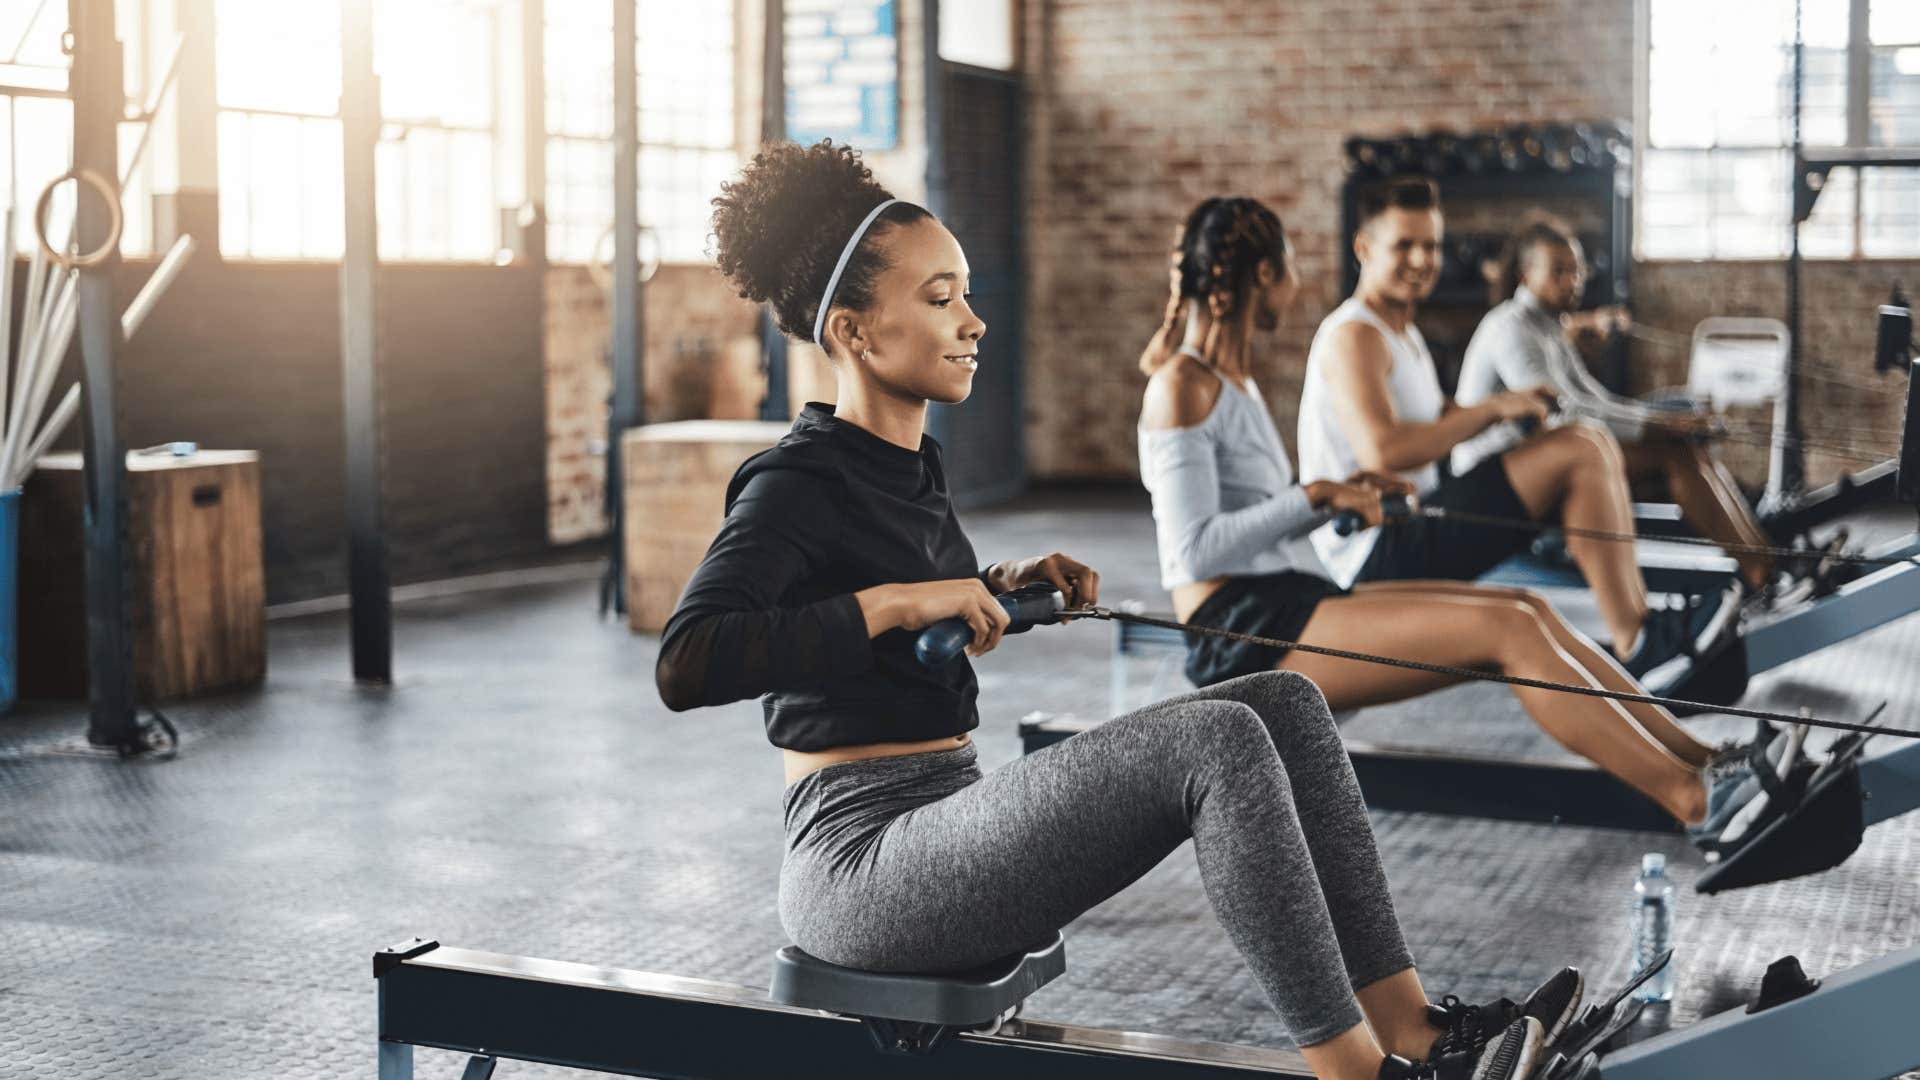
[920, 338]
[1400, 254]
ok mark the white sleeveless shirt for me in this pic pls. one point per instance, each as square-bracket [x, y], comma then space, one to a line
[1326, 453]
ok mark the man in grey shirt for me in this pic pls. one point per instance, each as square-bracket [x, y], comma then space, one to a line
[1524, 343]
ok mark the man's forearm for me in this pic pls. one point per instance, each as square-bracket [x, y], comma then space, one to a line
[1410, 445]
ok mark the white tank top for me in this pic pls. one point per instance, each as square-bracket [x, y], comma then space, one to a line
[1325, 452]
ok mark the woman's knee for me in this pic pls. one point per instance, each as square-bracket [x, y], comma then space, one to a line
[1290, 704]
[1229, 729]
[1540, 606]
[1521, 629]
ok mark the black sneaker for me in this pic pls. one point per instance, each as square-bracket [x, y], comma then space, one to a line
[1664, 637]
[1696, 629]
[1465, 1027]
[1510, 1054]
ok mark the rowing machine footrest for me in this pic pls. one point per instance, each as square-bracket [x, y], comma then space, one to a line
[1819, 832]
[970, 998]
[1718, 678]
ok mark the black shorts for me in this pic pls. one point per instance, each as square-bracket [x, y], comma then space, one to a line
[1429, 548]
[1266, 605]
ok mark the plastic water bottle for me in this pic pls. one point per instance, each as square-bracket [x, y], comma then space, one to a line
[1652, 925]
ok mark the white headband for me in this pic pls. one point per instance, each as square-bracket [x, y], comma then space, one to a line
[826, 301]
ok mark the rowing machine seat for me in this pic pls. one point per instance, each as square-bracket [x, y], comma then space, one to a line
[955, 999]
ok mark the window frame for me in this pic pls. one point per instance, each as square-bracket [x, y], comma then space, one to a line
[1857, 63]
[404, 127]
[732, 144]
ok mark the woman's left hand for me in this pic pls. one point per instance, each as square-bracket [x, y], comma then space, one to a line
[1078, 583]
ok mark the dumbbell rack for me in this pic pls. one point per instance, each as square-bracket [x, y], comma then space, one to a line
[1608, 183]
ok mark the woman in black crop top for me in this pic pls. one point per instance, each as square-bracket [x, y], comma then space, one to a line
[840, 543]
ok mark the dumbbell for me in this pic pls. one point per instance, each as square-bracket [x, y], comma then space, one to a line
[1027, 607]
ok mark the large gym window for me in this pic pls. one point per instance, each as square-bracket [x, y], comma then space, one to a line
[687, 147]
[278, 75]
[36, 119]
[1716, 127]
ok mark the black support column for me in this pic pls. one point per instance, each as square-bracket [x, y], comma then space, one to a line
[99, 99]
[369, 583]
[773, 128]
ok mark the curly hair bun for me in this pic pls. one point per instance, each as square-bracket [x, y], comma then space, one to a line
[779, 228]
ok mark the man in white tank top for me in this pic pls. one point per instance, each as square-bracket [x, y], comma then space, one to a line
[1372, 400]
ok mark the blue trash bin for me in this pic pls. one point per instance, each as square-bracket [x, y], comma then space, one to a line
[9, 597]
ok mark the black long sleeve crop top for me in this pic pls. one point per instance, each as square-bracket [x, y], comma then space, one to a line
[828, 511]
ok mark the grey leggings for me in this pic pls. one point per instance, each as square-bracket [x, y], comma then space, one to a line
[921, 863]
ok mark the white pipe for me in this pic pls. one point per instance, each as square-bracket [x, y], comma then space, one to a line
[147, 113]
[29, 322]
[28, 374]
[46, 366]
[62, 416]
[156, 286]
[6, 309]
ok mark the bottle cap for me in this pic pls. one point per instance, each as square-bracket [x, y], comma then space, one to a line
[1653, 862]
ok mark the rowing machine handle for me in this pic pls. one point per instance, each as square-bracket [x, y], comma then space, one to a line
[1026, 607]
[1392, 508]
[1530, 425]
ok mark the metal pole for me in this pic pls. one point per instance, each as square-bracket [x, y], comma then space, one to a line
[626, 355]
[98, 101]
[934, 77]
[1788, 454]
[533, 132]
[773, 128]
[369, 585]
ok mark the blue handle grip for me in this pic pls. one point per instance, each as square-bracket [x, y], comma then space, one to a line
[1026, 607]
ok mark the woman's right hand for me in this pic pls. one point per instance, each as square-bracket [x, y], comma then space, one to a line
[919, 605]
[1335, 498]
[1536, 402]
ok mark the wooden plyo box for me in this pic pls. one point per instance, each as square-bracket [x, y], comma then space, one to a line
[198, 589]
[675, 477]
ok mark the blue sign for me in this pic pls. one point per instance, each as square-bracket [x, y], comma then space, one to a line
[843, 72]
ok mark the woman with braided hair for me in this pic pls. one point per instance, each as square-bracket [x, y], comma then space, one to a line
[1233, 525]
[840, 543]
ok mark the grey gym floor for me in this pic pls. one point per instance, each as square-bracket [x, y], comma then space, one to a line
[521, 789]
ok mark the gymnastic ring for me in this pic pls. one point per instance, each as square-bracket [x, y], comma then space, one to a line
[112, 198]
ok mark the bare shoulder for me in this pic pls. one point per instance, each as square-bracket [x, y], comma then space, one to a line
[1361, 345]
[1181, 394]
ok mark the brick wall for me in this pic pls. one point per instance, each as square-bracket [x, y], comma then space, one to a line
[691, 319]
[1139, 109]
[244, 355]
[1853, 415]
[692, 316]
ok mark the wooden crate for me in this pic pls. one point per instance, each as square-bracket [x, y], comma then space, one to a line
[198, 589]
[676, 488]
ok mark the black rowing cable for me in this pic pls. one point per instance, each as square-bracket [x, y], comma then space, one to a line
[1477, 674]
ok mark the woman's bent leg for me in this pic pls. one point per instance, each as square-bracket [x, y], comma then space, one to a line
[1502, 633]
[1029, 847]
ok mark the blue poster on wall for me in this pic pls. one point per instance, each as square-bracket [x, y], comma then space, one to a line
[843, 72]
